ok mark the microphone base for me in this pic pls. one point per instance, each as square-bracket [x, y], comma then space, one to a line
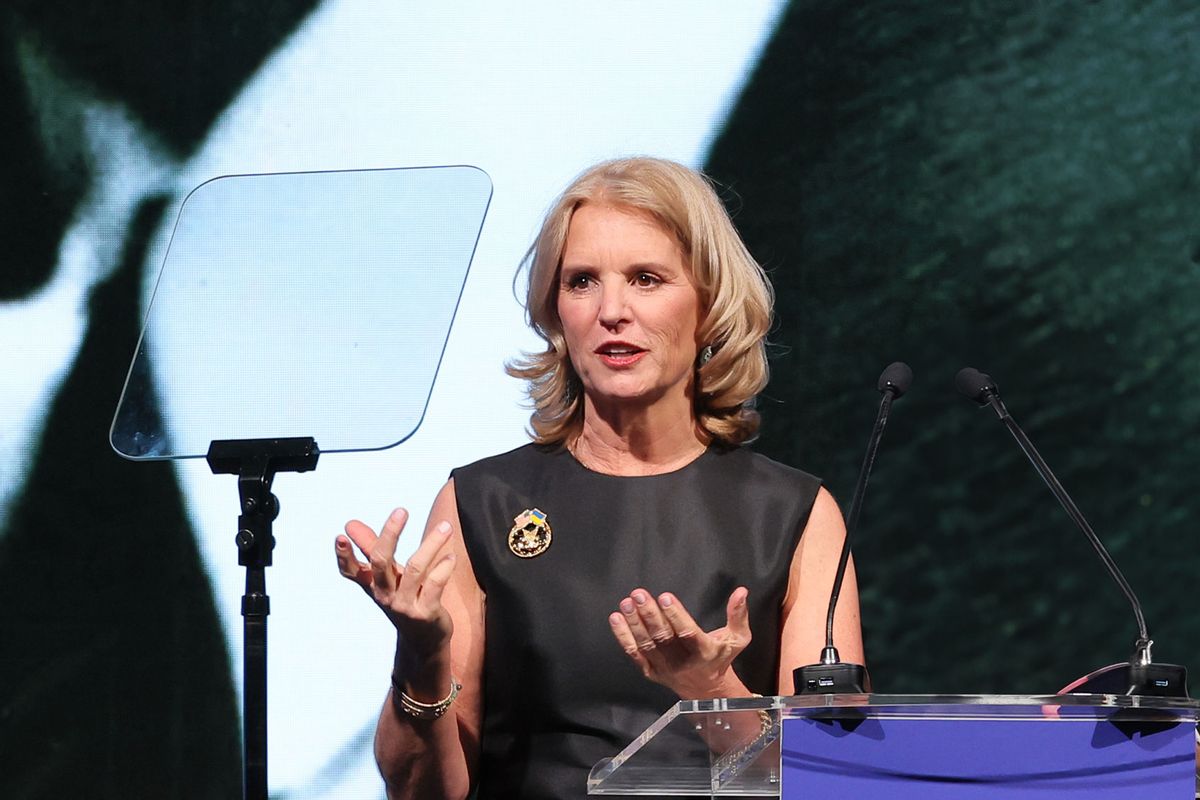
[830, 679]
[1158, 680]
[1148, 680]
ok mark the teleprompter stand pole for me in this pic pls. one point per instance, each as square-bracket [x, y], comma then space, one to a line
[255, 462]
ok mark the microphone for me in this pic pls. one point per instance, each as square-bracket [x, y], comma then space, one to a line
[1144, 676]
[831, 675]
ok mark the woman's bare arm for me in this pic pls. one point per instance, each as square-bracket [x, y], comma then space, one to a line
[814, 565]
[437, 607]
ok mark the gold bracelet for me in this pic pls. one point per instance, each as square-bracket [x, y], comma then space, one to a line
[764, 719]
[427, 711]
[765, 724]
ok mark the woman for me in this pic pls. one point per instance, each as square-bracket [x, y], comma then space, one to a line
[513, 671]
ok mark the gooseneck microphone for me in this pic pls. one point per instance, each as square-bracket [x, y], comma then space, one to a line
[1145, 677]
[831, 675]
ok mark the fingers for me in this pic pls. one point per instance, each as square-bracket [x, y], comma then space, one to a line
[652, 624]
[382, 555]
[362, 536]
[643, 641]
[417, 570]
[655, 632]
[349, 565]
[686, 629]
[657, 625]
[429, 591]
[429, 595]
[670, 647]
[381, 576]
[625, 638]
[737, 613]
[390, 533]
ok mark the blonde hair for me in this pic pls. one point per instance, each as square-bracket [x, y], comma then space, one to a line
[735, 296]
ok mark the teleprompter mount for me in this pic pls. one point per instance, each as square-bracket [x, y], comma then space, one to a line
[256, 462]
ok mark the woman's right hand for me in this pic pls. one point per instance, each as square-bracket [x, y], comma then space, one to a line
[410, 596]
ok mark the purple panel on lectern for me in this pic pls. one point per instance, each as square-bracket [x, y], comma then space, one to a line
[987, 759]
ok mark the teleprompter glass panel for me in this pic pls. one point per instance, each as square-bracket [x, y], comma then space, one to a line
[302, 304]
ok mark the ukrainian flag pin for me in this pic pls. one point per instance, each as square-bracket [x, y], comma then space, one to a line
[530, 534]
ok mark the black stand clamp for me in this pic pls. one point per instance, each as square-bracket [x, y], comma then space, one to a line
[255, 462]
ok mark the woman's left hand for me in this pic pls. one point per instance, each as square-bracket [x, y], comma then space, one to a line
[670, 648]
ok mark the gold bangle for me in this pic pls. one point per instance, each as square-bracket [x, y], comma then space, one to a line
[766, 724]
[427, 711]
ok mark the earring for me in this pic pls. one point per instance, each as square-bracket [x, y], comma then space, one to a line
[706, 354]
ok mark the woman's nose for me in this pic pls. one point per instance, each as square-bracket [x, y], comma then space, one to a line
[614, 306]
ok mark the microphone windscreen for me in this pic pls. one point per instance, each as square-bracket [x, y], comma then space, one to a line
[975, 384]
[897, 376]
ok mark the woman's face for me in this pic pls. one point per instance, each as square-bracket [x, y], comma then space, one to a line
[629, 308]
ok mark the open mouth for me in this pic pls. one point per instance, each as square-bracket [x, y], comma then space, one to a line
[619, 354]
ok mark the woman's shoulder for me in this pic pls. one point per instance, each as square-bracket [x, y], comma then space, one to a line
[750, 465]
[519, 459]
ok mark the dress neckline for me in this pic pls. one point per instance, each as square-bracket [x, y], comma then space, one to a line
[700, 456]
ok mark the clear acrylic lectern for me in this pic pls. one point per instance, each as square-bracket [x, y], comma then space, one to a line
[967, 747]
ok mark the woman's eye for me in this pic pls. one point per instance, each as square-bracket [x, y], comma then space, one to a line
[646, 279]
[579, 281]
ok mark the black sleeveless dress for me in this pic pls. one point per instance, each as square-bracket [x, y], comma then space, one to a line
[559, 692]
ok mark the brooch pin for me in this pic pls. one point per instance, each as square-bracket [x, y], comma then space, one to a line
[530, 534]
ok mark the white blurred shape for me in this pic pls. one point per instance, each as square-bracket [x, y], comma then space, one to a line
[532, 93]
[42, 333]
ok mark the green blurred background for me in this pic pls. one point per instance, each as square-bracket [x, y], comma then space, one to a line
[1011, 187]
